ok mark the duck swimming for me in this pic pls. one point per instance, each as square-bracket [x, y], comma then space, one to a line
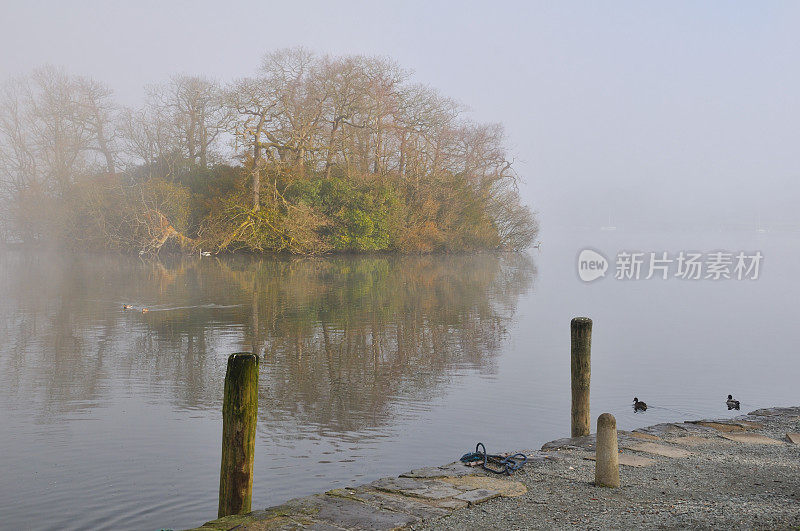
[639, 406]
[127, 307]
[731, 403]
[145, 310]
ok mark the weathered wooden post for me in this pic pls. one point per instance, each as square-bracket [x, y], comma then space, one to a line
[239, 410]
[581, 335]
[606, 468]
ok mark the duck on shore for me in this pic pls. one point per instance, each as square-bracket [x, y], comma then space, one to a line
[639, 406]
[731, 403]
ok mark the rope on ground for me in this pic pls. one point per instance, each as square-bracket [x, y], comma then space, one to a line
[494, 463]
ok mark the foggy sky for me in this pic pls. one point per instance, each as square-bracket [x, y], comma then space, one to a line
[681, 114]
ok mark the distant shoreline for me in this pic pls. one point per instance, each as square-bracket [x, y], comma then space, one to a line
[266, 254]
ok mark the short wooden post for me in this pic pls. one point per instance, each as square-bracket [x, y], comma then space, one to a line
[239, 411]
[606, 468]
[581, 335]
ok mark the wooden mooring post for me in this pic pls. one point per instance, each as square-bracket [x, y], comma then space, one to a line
[581, 368]
[239, 411]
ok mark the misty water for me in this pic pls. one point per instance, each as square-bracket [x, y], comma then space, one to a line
[370, 366]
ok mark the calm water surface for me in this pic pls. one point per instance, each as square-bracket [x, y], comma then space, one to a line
[370, 366]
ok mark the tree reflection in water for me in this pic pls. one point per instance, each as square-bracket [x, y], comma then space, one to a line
[341, 339]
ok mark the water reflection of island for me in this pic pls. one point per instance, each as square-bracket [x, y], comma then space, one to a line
[341, 339]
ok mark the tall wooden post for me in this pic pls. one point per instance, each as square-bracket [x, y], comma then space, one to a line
[581, 368]
[239, 411]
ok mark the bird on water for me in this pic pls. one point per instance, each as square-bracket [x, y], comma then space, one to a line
[127, 307]
[639, 406]
[731, 403]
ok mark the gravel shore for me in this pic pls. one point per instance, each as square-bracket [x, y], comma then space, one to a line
[723, 484]
[741, 473]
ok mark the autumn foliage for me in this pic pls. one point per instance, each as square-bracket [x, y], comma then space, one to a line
[313, 154]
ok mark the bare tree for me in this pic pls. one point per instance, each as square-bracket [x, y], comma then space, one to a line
[346, 85]
[196, 109]
[61, 137]
[97, 111]
[384, 79]
[179, 125]
[255, 106]
[18, 158]
[294, 75]
[424, 119]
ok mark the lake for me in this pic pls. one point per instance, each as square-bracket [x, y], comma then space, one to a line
[370, 366]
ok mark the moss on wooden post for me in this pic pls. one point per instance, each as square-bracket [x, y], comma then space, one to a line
[239, 411]
[581, 368]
